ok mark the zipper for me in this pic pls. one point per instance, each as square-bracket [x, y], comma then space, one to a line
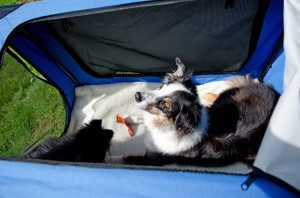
[246, 185]
[50, 56]
[258, 173]
[273, 55]
[111, 8]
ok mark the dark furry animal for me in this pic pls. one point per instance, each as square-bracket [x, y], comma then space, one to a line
[89, 144]
[184, 131]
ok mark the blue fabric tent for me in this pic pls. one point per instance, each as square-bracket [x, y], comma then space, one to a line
[37, 32]
[19, 179]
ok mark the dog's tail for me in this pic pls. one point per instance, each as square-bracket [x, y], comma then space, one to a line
[240, 81]
[89, 144]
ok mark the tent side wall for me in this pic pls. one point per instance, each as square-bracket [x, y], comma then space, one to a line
[41, 180]
[47, 67]
[282, 160]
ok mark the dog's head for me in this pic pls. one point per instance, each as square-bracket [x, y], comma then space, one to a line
[175, 102]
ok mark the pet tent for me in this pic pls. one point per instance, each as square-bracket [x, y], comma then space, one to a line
[77, 44]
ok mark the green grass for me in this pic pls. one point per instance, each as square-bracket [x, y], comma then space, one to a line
[4, 2]
[30, 109]
[32, 69]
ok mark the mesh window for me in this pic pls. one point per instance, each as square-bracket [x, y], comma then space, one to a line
[146, 38]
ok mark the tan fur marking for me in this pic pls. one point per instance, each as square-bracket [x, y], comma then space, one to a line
[167, 102]
[251, 157]
[210, 98]
[152, 109]
[159, 118]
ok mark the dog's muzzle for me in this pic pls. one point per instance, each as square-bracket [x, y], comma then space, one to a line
[143, 99]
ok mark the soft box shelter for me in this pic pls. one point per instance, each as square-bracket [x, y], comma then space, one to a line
[78, 44]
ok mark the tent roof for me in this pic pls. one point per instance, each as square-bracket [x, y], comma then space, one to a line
[42, 10]
[46, 8]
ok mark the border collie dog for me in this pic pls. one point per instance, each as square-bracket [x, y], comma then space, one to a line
[89, 144]
[183, 131]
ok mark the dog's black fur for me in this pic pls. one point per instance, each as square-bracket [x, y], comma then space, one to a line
[236, 122]
[89, 144]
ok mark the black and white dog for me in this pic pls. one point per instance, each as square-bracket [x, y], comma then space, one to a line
[185, 132]
[89, 144]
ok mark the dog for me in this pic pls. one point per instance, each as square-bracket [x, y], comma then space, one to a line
[89, 144]
[185, 132]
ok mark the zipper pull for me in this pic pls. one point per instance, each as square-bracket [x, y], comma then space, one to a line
[245, 186]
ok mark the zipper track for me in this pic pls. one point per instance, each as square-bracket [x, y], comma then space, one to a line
[258, 173]
[269, 62]
[51, 57]
[112, 8]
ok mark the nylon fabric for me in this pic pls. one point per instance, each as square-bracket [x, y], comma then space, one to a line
[19, 179]
[279, 153]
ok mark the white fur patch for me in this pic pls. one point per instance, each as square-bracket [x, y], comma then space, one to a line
[165, 139]
[170, 88]
[150, 96]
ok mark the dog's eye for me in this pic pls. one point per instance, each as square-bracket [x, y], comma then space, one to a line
[164, 103]
[167, 104]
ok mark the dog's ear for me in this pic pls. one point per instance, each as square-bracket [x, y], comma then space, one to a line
[181, 70]
[180, 75]
[187, 120]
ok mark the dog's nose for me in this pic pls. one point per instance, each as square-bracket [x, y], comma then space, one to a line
[138, 97]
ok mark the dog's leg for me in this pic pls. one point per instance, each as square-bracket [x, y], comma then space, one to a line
[158, 159]
[136, 160]
[150, 159]
[154, 159]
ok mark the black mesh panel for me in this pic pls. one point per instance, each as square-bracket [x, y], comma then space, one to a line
[146, 39]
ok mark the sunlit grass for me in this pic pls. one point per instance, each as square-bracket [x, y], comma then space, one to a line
[30, 109]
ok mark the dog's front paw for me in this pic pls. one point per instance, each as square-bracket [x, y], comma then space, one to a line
[134, 160]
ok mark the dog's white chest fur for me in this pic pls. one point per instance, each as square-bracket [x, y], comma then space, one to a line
[165, 139]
